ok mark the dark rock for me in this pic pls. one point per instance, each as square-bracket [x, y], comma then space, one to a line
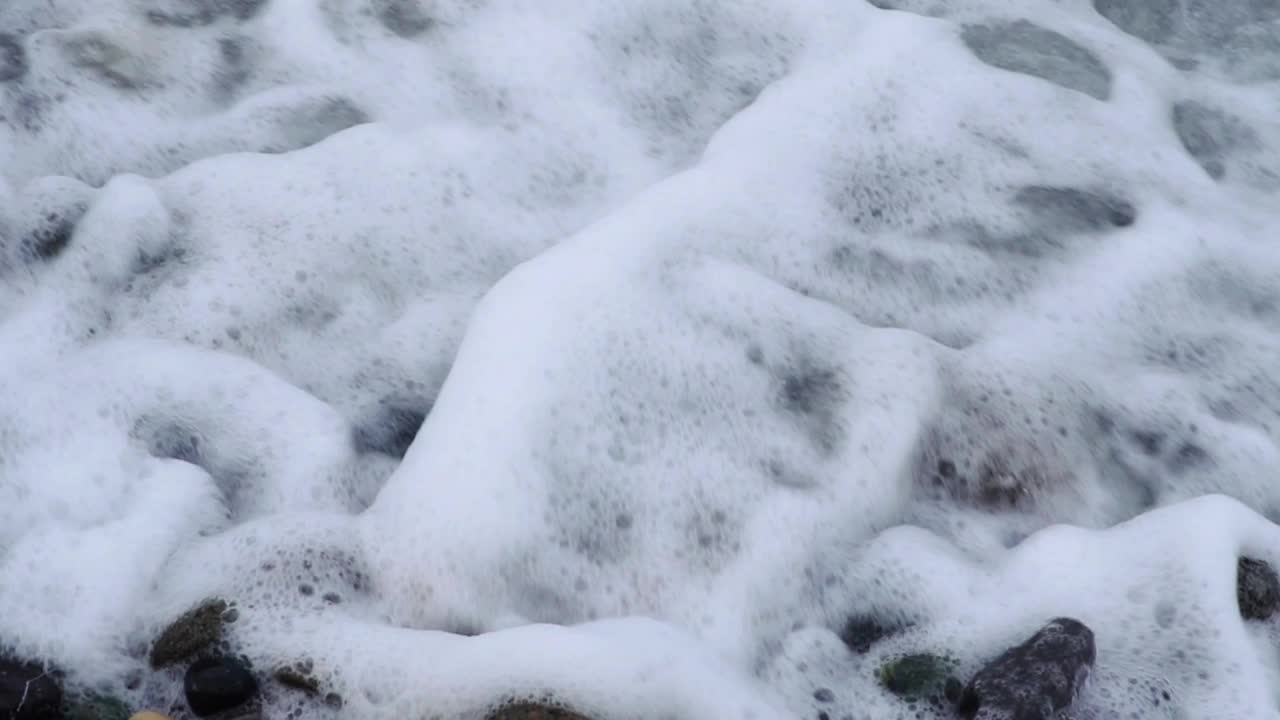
[215, 685]
[1151, 20]
[96, 707]
[918, 676]
[860, 632]
[1257, 589]
[13, 58]
[193, 633]
[1035, 679]
[1024, 47]
[28, 692]
[533, 711]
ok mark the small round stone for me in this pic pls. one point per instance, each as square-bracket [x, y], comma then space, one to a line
[214, 685]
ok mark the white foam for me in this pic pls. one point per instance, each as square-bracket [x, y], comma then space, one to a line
[724, 323]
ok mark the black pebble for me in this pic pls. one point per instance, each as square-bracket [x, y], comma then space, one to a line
[1257, 589]
[1035, 679]
[214, 685]
[28, 692]
[13, 58]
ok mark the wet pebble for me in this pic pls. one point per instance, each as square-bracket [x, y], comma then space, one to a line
[215, 685]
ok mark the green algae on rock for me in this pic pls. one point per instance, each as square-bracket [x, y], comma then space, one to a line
[919, 675]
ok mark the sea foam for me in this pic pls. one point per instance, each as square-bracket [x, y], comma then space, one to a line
[623, 354]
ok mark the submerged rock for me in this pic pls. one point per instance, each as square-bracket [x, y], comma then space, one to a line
[860, 632]
[193, 633]
[533, 711]
[148, 715]
[28, 692]
[1257, 589]
[96, 707]
[1024, 47]
[917, 676]
[1035, 679]
[214, 685]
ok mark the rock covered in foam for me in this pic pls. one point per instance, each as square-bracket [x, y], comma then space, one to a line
[860, 632]
[533, 711]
